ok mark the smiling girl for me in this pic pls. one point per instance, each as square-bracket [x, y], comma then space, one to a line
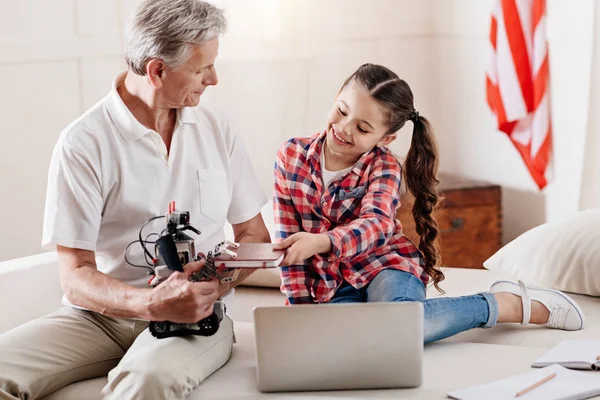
[336, 196]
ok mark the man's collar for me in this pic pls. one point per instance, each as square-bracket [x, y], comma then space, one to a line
[186, 115]
[129, 127]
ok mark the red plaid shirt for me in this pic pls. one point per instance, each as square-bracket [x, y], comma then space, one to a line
[356, 211]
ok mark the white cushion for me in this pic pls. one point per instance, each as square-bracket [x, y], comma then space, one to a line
[466, 281]
[511, 346]
[237, 379]
[563, 255]
[268, 277]
[29, 288]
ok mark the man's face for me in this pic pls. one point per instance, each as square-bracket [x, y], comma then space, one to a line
[183, 86]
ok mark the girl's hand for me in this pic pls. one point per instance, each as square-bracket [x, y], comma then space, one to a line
[303, 245]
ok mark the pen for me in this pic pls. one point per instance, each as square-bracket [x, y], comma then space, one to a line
[538, 383]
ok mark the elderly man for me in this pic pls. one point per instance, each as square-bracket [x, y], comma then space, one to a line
[148, 142]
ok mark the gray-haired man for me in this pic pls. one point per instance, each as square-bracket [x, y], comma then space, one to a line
[122, 162]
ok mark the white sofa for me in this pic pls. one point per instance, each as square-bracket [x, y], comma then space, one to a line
[29, 288]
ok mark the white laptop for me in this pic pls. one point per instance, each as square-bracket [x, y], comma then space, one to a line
[339, 346]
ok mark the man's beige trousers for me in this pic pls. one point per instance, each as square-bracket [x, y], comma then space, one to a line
[70, 345]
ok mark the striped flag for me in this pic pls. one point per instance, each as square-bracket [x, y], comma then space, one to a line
[518, 82]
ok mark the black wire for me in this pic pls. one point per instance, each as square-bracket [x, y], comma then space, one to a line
[150, 234]
[149, 262]
[135, 265]
[140, 235]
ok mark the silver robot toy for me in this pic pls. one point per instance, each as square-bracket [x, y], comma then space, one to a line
[172, 250]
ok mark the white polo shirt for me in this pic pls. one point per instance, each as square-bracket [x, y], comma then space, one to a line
[109, 174]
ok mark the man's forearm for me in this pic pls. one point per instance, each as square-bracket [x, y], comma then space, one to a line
[88, 288]
[250, 237]
[246, 237]
[244, 273]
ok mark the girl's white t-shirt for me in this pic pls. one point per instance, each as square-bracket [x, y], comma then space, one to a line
[330, 176]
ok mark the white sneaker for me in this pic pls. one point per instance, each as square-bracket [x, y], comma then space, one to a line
[564, 312]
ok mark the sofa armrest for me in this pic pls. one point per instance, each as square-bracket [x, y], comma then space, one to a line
[29, 288]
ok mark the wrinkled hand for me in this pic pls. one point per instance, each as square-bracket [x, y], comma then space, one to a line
[179, 300]
[303, 245]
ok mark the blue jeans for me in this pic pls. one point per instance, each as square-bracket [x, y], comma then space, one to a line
[444, 316]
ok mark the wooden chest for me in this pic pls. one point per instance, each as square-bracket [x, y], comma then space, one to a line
[470, 221]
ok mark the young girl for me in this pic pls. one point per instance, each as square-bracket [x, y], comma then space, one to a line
[336, 196]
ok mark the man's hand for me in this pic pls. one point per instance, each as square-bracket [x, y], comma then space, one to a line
[252, 231]
[178, 299]
[303, 245]
[240, 275]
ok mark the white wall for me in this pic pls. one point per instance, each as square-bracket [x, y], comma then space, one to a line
[470, 144]
[590, 180]
[280, 70]
[280, 65]
[56, 59]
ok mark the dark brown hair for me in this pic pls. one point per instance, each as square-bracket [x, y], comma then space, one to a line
[421, 164]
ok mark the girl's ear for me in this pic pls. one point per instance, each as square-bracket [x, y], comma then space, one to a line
[387, 139]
